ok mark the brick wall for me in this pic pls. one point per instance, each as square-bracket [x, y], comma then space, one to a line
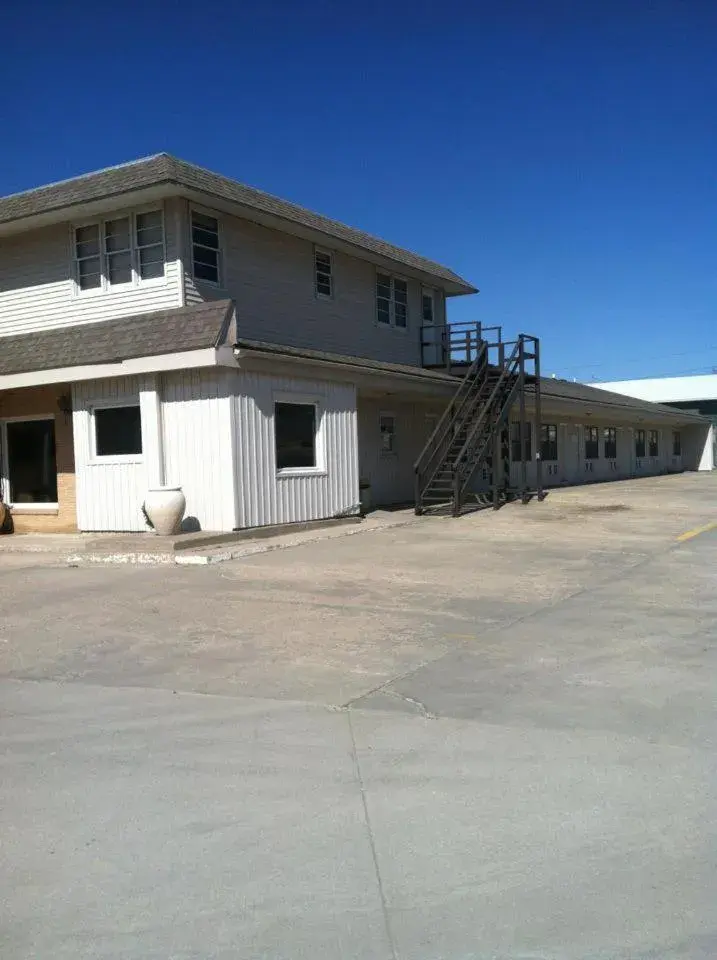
[37, 401]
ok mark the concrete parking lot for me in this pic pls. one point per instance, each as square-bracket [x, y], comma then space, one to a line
[490, 737]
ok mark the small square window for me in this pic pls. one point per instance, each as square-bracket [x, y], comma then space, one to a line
[387, 429]
[118, 431]
[295, 430]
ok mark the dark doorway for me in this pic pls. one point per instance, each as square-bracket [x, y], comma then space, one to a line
[32, 467]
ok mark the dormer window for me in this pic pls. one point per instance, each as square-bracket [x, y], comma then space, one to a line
[119, 252]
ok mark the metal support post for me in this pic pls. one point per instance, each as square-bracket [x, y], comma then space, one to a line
[538, 425]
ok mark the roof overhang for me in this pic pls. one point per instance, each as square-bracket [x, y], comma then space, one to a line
[187, 360]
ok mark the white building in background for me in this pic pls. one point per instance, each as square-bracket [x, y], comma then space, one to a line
[164, 325]
[695, 394]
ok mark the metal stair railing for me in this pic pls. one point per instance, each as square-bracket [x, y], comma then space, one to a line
[454, 418]
[482, 437]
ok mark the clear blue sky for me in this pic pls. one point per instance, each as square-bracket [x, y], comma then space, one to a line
[562, 156]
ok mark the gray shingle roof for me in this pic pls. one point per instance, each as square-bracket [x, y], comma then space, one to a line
[302, 353]
[581, 393]
[145, 335]
[165, 169]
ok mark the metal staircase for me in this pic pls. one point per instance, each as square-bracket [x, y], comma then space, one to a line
[473, 433]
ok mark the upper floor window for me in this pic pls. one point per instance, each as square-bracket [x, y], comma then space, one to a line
[592, 444]
[120, 251]
[323, 274]
[205, 248]
[428, 308]
[654, 443]
[391, 300]
[610, 441]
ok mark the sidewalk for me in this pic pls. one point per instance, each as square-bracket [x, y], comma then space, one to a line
[191, 548]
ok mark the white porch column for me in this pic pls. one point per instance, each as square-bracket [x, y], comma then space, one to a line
[150, 404]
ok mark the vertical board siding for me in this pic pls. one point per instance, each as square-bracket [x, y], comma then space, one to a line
[109, 495]
[270, 274]
[198, 445]
[37, 290]
[391, 474]
[263, 496]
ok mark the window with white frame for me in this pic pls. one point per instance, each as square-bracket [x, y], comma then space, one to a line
[519, 448]
[428, 308]
[391, 301]
[117, 431]
[592, 443]
[676, 443]
[387, 430]
[118, 251]
[639, 444]
[610, 442]
[295, 431]
[654, 443]
[206, 255]
[323, 274]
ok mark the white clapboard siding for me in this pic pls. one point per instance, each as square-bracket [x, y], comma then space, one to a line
[270, 274]
[198, 445]
[109, 494]
[37, 290]
[263, 496]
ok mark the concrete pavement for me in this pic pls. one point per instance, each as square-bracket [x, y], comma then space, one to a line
[488, 738]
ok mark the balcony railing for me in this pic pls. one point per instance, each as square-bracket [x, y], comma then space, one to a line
[455, 344]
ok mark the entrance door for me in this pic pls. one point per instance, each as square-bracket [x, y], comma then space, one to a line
[431, 334]
[29, 467]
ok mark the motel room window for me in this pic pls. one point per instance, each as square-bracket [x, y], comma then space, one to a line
[549, 441]
[676, 443]
[610, 441]
[387, 429]
[31, 461]
[639, 444]
[323, 274]
[205, 248]
[119, 251]
[592, 443]
[295, 428]
[118, 431]
[391, 301]
[654, 438]
[515, 445]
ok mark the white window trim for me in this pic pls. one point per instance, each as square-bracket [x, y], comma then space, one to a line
[391, 325]
[330, 255]
[97, 460]
[137, 281]
[381, 414]
[205, 212]
[50, 507]
[321, 468]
